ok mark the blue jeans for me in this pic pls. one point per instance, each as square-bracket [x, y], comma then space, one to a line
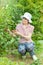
[26, 47]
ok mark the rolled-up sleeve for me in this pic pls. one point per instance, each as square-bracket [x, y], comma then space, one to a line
[18, 27]
[31, 29]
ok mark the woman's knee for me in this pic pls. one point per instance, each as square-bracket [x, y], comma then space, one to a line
[21, 49]
[30, 47]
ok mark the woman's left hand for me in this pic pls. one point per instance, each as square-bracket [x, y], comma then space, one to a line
[15, 32]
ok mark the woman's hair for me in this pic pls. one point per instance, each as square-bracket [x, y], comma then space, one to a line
[26, 19]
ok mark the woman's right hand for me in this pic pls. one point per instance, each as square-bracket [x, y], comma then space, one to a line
[11, 32]
[8, 30]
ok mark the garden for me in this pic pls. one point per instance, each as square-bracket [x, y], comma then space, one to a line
[10, 12]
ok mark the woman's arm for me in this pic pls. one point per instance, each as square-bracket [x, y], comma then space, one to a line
[15, 32]
[26, 37]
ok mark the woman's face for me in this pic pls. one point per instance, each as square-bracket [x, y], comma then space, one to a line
[24, 21]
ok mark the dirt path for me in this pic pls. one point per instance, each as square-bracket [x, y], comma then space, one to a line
[28, 59]
[18, 59]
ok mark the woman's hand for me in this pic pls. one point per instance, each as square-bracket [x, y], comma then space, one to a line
[15, 32]
[27, 37]
[18, 33]
[11, 33]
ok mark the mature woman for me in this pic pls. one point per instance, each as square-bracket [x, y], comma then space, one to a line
[25, 30]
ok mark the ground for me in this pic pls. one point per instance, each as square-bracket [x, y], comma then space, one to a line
[15, 57]
[28, 59]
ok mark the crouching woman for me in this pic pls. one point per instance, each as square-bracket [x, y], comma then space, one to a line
[25, 30]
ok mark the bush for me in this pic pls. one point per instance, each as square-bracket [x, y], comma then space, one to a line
[10, 12]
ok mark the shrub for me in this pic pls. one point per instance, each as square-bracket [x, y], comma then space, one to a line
[10, 12]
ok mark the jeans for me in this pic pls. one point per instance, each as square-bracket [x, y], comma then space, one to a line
[26, 47]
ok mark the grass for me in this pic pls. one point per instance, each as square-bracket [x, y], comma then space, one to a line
[16, 59]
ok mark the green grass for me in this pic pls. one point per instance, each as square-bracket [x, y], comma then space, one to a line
[16, 59]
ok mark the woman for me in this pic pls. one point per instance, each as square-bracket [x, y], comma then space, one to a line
[25, 30]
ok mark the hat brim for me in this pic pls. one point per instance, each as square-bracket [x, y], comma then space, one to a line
[30, 21]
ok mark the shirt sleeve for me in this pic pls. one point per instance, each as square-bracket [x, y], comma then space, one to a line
[18, 27]
[31, 29]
